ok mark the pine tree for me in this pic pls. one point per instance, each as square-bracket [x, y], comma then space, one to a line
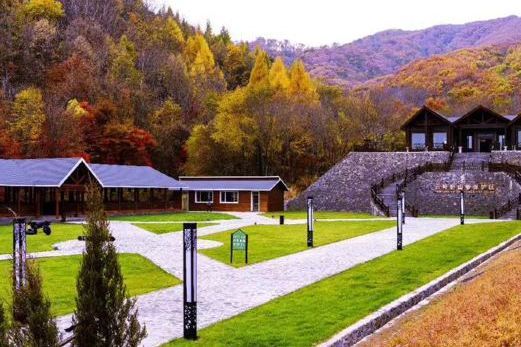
[259, 77]
[279, 79]
[34, 324]
[4, 327]
[104, 315]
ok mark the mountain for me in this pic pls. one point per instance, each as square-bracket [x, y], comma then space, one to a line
[387, 51]
[455, 82]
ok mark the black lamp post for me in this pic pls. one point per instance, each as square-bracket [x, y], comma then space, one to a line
[20, 233]
[399, 225]
[310, 221]
[190, 281]
[403, 206]
[462, 207]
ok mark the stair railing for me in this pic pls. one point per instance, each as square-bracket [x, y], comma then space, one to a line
[408, 175]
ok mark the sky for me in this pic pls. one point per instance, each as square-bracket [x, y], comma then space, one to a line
[324, 22]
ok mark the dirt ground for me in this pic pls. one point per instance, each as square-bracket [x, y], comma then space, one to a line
[483, 309]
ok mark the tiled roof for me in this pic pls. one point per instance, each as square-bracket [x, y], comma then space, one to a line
[53, 172]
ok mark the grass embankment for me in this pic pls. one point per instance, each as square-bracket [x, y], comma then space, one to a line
[319, 215]
[272, 241]
[165, 228]
[482, 312]
[59, 279]
[176, 217]
[315, 313]
[40, 242]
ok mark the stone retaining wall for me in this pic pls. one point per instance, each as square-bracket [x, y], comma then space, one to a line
[377, 320]
[346, 186]
[511, 157]
[423, 193]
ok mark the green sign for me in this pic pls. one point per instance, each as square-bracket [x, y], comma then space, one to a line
[239, 242]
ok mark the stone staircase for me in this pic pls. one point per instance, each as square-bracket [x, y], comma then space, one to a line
[470, 162]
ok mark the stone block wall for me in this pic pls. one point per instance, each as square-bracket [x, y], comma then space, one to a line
[424, 192]
[347, 186]
[511, 157]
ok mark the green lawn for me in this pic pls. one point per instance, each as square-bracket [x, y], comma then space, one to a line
[59, 277]
[176, 217]
[319, 215]
[40, 242]
[273, 241]
[315, 313]
[165, 228]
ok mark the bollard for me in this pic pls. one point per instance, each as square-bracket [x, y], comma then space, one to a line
[190, 281]
[281, 220]
[517, 214]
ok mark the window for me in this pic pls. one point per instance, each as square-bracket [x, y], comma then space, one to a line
[469, 142]
[439, 140]
[418, 140]
[502, 141]
[519, 138]
[229, 197]
[204, 197]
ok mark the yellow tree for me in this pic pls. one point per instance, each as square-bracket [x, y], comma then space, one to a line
[51, 10]
[259, 77]
[27, 121]
[199, 56]
[278, 75]
[301, 84]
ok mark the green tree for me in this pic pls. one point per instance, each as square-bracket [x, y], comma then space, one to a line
[168, 127]
[34, 324]
[105, 315]
[279, 79]
[259, 77]
[4, 327]
[124, 60]
[26, 124]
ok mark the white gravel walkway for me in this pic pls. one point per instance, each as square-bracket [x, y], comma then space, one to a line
[224, 291]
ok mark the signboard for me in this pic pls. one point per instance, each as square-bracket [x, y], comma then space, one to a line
[471, 188]
[239, 242]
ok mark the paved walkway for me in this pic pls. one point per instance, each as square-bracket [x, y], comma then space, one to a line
[224, 291]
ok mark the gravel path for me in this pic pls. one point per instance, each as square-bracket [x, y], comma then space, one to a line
[224, 291]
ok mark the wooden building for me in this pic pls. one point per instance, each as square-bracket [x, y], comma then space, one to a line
[235, 193]
[479, 130]
[56, 186]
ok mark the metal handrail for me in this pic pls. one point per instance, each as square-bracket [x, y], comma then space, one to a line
[408, 175]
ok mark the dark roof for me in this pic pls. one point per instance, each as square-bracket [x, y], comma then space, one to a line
[425, 108]
[454, 118]
[53, 172]
[232, 183]
[129, 176]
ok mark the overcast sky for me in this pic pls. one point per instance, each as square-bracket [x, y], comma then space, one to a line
[323, 22]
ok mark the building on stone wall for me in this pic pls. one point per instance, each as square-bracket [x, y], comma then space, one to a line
[479, 130]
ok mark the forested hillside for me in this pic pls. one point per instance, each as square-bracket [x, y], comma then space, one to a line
[114, 82]
[386, 52]
[456, 82]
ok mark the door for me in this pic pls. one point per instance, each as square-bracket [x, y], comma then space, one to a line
[184, 201]
[485, 142]
[255, 201]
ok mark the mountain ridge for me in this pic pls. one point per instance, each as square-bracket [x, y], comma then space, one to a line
[385, 52]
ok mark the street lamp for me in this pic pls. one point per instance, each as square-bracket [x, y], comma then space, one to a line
[190, 281]
[462, 207]
[310, 221]
[399, 225]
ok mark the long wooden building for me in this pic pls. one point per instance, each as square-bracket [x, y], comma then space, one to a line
[479, 130]
[56, 186]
